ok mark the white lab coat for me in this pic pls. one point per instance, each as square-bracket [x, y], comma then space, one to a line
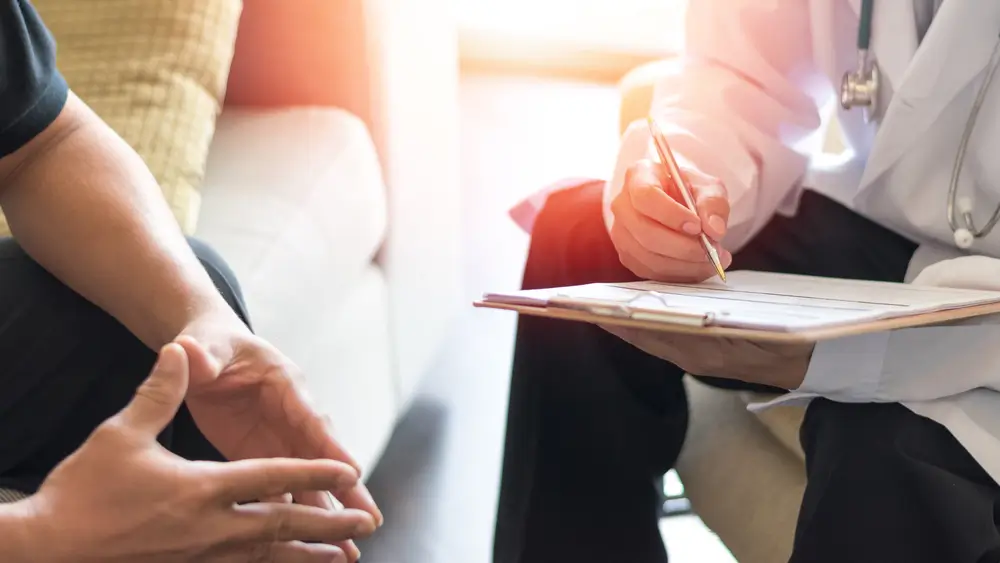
[758, 75]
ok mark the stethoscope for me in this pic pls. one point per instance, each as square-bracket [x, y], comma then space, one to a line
[861, 88]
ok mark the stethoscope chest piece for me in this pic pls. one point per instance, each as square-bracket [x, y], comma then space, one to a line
[861, 89]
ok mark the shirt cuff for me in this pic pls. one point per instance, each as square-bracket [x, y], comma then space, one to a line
[636, 145]
[847, 369]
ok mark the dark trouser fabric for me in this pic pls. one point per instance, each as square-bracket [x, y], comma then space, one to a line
[593, 422]
[67, 366]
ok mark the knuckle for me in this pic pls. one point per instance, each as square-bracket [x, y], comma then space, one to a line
[278, 524]
[636, 168]
[643, 196]
[640, 232]
[618, 236]
[111, 431]
[619, 204]
[261, 553]
[633, 265]
[692, 251]
[205, 489]
[155, 394]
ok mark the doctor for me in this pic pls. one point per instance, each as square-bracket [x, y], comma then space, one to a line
[902, 434]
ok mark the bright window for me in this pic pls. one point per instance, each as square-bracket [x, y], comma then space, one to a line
[642, 27]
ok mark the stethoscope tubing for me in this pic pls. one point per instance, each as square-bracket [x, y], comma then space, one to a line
[956, 172]
[868, 71]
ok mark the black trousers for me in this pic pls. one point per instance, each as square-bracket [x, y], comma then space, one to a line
[593, 422]
[67, 366]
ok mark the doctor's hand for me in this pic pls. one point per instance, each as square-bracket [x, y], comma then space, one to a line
[654, 232]
[966, 272]
[778, 365]
[123, 497]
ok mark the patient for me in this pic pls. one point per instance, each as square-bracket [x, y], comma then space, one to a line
[100, 277]
[595, 420]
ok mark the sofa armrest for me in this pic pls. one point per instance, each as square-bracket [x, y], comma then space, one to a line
[395, 66]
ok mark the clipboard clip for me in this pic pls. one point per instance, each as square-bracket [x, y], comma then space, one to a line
[626, 309]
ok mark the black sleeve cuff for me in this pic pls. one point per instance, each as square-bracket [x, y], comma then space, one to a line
[45, 110]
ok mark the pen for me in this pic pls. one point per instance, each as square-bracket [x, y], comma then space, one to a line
[667, 156]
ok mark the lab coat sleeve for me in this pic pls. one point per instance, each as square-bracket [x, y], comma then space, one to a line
[919, 364]
[745, 92]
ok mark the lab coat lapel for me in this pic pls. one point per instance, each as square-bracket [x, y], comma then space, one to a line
[955, 50]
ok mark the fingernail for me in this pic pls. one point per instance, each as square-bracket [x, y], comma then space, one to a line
[355, 552]
[365, 528]
[727, 258]
[379, 520]
[691, 228]
[167, 359]
[717, 224]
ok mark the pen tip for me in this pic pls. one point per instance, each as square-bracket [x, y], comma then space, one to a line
[722, 273]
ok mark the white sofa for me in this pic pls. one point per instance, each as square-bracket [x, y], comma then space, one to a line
[332, 191]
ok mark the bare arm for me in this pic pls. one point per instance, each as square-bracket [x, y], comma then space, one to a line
[16, 545]
[84, 205]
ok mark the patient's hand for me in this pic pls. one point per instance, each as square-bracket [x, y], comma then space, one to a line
[655, 233]
[123, 497]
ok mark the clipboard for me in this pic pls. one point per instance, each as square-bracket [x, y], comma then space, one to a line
[906, 307]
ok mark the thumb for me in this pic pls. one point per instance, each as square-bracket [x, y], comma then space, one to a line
[204, 367]
[159, 397]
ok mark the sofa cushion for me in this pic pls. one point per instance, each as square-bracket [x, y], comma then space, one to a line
[294, 200]
[155, 71]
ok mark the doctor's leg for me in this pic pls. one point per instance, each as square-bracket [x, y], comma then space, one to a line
[592, 422]
[885, 484]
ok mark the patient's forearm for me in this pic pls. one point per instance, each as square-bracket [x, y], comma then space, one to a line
[15, 541]
[84, 205]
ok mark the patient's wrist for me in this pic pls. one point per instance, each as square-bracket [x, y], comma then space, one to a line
[20, 542]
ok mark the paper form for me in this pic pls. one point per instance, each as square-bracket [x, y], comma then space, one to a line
[767, 301]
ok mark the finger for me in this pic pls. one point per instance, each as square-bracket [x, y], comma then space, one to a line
[282, 499]
[657, 239]
[648, 189]
[296, 552]
[649, 265]
[712, 202]
[157, 400]
[252, 479]
[359, 498]
[320, 442]
[257, 522]
[319, 499]
[326, 501]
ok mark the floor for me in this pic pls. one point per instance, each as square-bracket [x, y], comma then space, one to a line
[438, 480]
